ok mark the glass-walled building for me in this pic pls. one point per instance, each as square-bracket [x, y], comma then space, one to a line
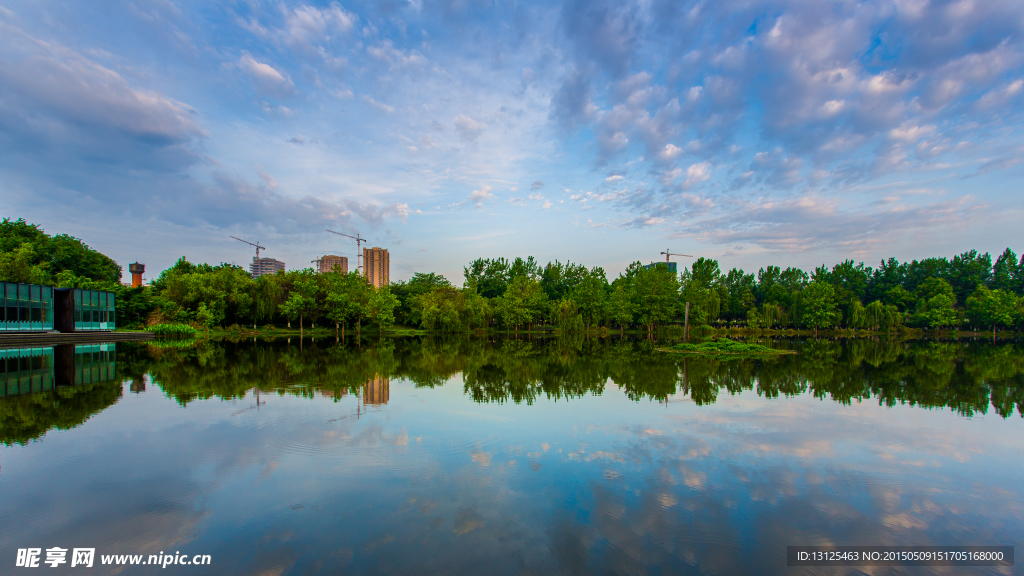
[26, 307]
[25, 370]
[35, 308]
[94, 310]
[31, 370]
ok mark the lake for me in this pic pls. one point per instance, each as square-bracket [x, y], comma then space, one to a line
[508, 456]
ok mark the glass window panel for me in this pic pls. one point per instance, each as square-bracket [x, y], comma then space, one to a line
[23, 313]
[36, 314]
[34, 293]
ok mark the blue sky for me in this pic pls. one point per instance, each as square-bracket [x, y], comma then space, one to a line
[756, 132]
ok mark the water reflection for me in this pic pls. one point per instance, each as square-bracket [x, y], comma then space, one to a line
[966, 377]
[54, 387]
[60, 387]
[526, 457]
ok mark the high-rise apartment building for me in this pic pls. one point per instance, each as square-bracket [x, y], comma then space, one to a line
[377, 391]
[331, 263]
[261, 266]
[376, 266]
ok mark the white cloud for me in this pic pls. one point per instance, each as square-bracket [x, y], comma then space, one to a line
[669, 152]
[378, 105]
[265, 77]
[697, 173]
[386, 53]
[307, 26]
[910, 133]
[468, 128]
[477, 197]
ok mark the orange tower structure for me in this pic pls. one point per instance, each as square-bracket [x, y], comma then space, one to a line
[136, 269]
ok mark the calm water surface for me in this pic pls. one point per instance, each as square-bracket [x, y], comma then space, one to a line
[509, 457]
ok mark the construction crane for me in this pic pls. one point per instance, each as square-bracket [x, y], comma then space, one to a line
[358, 240]
[668, 252]
[257, 245]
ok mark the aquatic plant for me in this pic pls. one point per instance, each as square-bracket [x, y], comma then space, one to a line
[724, 346]
[174, 330]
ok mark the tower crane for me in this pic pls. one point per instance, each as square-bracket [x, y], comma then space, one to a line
[359, 240]
[686, 321]
[668, 252]
[257, 245]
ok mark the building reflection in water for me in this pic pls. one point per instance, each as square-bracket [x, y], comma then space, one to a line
[31, 370]
[377, 391]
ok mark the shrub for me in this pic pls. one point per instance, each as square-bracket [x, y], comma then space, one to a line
[174, 330]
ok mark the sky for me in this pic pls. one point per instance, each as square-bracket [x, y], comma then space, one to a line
[786, 132]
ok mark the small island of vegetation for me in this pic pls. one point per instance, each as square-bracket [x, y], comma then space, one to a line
[725, 347]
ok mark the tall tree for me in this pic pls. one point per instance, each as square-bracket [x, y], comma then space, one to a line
[968, 271]
[304, 300]
[1006, 273]
[655, 295]
[819, 301]
[381, 308]
[591, 295]
[992, 308]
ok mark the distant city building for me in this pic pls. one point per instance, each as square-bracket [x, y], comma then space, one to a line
[261, 266]
[376, 266]
[332, 263]
[377, 391]
[671, 266]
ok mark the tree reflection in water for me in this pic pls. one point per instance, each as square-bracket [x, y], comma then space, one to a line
[968, 377]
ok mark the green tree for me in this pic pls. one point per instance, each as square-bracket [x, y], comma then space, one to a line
[900, 298]
[591, 296]
[967, 271]
[819, 302]
[304, 300]
[655, 295]
[21, 265]
[992, 308]
[1007, 273]
[740, 288]
[620, 307]
[343, 300]
[523, 302]
[856, 315]
[702, 285]
[407, 293]
[882, 316]
[939, 311]
[381, 308]
[56, 254]
[566, 316]
[487, 277]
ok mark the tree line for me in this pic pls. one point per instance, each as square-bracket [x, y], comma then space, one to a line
[969, 290]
